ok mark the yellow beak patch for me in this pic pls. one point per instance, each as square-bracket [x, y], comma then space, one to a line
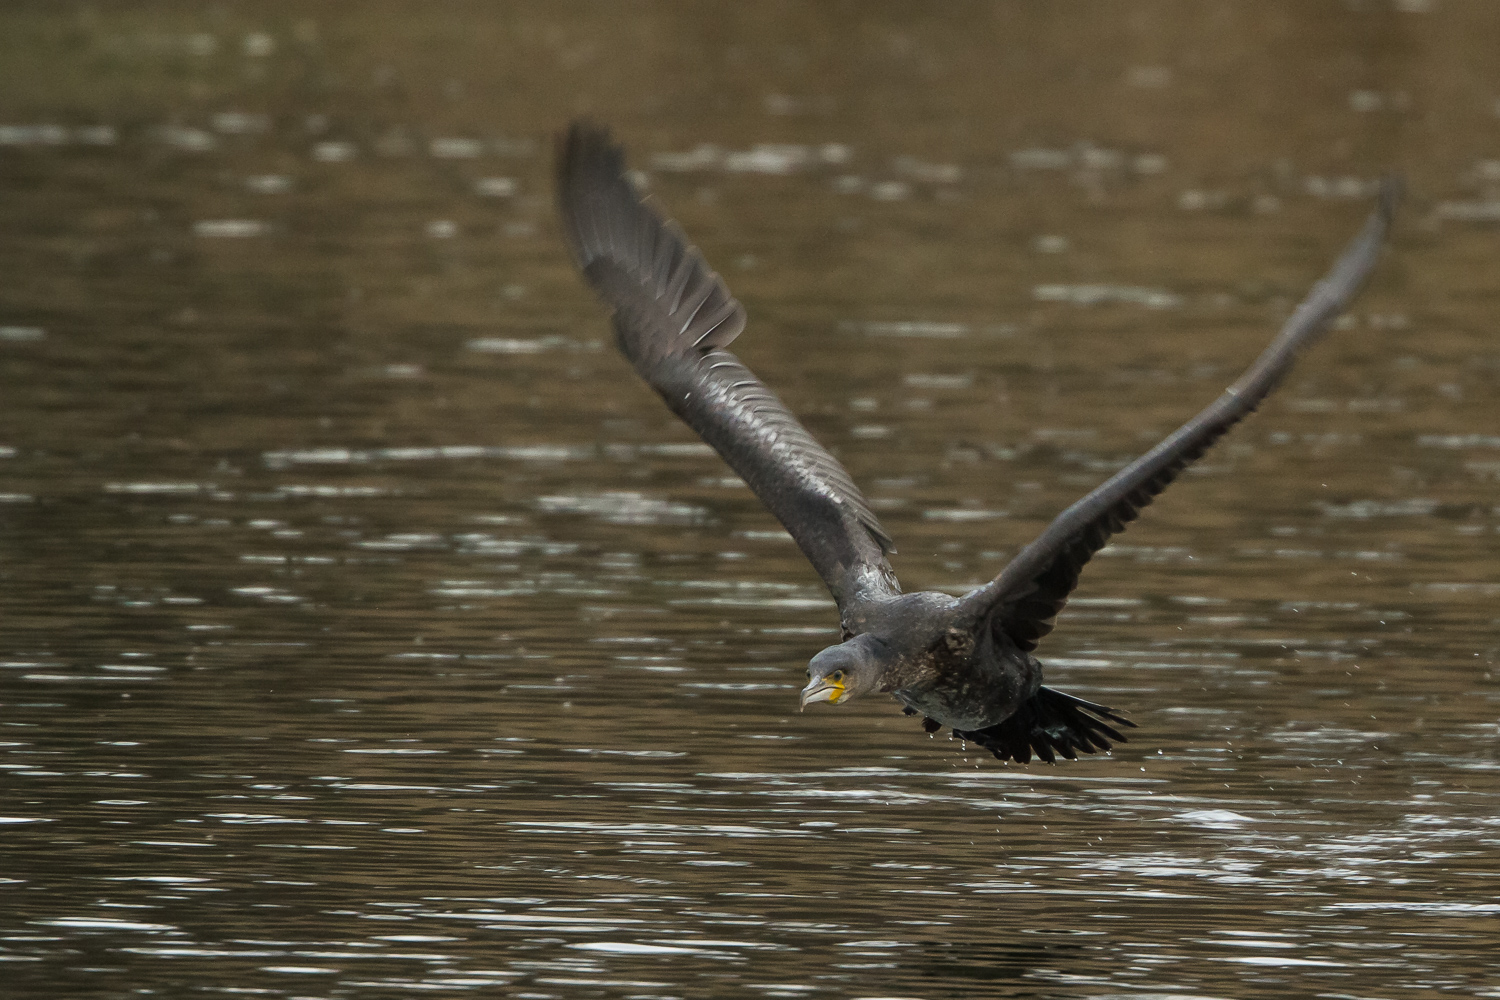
[826, 689]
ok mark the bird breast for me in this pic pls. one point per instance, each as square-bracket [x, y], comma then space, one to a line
[971, 682]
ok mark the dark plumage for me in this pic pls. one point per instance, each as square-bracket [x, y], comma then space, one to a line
[962, 662]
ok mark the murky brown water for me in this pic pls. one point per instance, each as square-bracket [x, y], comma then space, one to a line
[369, 631]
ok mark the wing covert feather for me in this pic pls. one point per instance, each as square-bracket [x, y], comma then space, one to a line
[1025, 598]
[673, 317]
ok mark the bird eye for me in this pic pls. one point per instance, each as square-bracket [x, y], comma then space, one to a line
[838, 676]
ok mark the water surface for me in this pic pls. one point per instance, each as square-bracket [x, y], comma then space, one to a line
[368, 630]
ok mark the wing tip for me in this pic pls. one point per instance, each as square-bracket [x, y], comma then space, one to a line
[583, 139]
[587, 163]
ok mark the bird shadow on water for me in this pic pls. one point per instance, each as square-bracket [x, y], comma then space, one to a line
[1008, 969]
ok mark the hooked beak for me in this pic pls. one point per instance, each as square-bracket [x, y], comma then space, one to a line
[822, 689]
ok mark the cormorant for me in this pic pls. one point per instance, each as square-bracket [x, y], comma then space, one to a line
[962, 662]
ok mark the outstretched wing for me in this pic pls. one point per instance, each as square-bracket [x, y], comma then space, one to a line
[1026, 597]
[673, 318]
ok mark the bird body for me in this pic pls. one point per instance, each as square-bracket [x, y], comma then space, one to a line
[965, 663]
[915, 648]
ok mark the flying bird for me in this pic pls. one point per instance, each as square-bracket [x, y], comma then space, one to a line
[962, 662]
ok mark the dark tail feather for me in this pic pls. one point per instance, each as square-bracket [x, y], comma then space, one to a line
[1050, 724]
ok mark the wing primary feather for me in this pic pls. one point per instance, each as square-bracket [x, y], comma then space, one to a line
[673, 318]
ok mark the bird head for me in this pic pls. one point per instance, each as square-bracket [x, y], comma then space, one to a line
[845, 671]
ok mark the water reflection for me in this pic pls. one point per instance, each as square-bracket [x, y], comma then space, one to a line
[367, 629]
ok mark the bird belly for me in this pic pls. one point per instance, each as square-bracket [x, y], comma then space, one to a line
[958, 707]
[984, 691]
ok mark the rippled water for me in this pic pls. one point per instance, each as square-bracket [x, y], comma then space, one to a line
[368, 630]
